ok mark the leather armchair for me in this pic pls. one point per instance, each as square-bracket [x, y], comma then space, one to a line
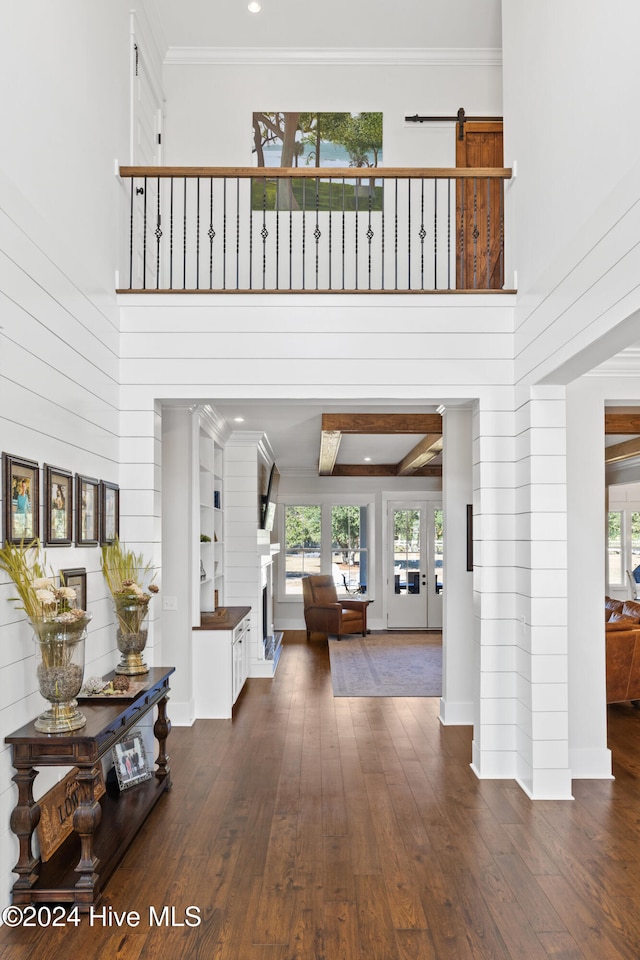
[324, 613]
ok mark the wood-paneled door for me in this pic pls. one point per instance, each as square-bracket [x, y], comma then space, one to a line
[480, 209]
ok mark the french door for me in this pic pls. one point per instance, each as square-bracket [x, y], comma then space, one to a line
[414, 565]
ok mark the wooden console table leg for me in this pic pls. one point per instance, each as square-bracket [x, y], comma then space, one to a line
[86, 818]
[161, 730]
[24, 819]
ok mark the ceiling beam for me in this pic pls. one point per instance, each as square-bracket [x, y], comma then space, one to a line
[381, 470]
[329, 446]
[622, 423]
[383, 422]
[424, 451]
[622, 451]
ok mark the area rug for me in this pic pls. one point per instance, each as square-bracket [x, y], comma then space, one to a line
[387, 665]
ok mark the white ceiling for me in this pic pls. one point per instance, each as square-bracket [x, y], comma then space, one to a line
[330, 23]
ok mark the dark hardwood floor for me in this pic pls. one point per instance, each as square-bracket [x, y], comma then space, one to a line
[353, 829]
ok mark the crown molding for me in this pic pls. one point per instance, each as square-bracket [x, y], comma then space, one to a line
[348, 56]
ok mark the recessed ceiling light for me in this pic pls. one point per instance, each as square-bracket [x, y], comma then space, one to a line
[254, 7]
[238, 419]
[367, 459]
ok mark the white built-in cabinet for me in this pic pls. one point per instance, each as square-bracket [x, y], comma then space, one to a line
[220, 662]
[208, 516]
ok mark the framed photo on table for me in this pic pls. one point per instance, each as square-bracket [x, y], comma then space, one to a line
[21, 499]
[130, 761]
[87, 511]
[58, 507]
[109, 512]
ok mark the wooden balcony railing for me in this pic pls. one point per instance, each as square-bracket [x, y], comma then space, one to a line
[315, 230]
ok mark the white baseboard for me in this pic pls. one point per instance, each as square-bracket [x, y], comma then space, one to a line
[454, 714]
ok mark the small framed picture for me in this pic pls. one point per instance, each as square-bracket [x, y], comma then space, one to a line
[76, 578]
[21, 499]
[130, 761]
[87, 511]
[109, 512]
[58, 507]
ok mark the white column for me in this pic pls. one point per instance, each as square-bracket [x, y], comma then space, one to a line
[541, 557]
[456, 704]
[494, 659]
[588, 752]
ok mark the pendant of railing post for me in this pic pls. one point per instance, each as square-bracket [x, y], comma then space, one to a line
[158, 233]
[171, 235]
[237, 233]
[131, 239]
[144, 237]
[184, 236]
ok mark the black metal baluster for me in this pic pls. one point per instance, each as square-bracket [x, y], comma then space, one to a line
[355, 227]
[383, 202]
[435, 233]
[422, 233]
[448, 233]
[131, 240]
[316, 233]
[395, 249]
[237, 233]
[144, 237]
[211, 233]
[224, 233]
[502, 277]
[488, 233]
[409, 232]
[462, 186]
[304, 232]
[171, 235]
[330, 212]
[476, 233]
[158, 234]
[370, 234]
[291, 234]
[251, 235]
[264, 233]
[198, 233]
[343, 228]
[277, 211]
[184, 236]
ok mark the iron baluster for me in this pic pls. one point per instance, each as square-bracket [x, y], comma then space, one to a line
[251, 235]
[461, 186]
[198, 233]
[476, 233]
[435, 234]
[264, 233]
[330, 212]
[370, 235]
[144, 238]
[158, 234]
[422, 234]
[501, 205]
[211, 233]
[316, 233]
[184, 236]
[449, 233]
[237, 233]
[395, 249]
[291, 235]
[131, 240]
[383, 201]
[304, 232]
[224, 233]
[343, 230]
[409, 233]
[488, 233]
[355, 229]
[277, 211]
[171, 235]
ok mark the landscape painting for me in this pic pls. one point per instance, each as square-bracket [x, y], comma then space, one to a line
[311, 140]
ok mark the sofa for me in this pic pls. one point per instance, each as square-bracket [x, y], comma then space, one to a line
[622, 629]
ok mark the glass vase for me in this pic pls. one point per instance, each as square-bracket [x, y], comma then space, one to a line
[60, 671]
[132, 630]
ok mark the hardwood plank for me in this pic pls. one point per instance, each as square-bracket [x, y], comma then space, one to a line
[374, 918]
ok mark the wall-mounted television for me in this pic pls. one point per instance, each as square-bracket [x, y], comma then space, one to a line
[269, 500]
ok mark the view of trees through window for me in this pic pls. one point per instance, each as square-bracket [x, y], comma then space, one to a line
[345, 556]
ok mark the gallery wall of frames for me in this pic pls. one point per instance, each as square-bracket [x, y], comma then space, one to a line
[75, 508]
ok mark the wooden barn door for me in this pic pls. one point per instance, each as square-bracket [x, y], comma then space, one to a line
[480, 209]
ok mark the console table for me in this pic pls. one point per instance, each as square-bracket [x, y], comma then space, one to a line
[103, 830]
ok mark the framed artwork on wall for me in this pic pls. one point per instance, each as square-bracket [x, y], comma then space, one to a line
[58, 507]
[76, 577]
[87, 511]
[21, 499]
[109, 512]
